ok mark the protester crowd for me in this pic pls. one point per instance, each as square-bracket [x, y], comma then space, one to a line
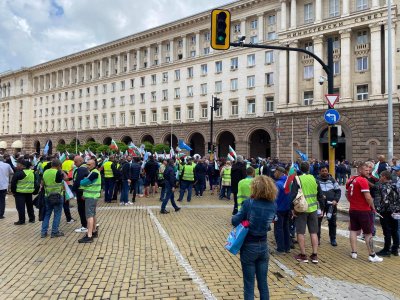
[291, 196]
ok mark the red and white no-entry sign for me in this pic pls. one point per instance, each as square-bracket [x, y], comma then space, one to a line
[332, 99]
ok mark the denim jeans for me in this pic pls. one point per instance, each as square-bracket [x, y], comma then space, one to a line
[226, 189]
[186, 185]
[169, 195]
[124, 191]
[57, 216]
[254, 258]
[281, 230]
[139, 187]
[108, 189]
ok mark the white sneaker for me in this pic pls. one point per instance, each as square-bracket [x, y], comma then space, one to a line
[130, 203]
[376, 258]
[354, 255]
[80, 230]
[71, 221]
[126, 204]
[121, 204]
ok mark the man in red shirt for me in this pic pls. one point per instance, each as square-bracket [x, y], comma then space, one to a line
[361, 211]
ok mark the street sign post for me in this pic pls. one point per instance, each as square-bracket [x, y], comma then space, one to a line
[332, 116]
[332, 99]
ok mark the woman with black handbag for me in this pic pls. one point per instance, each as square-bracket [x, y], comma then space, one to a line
[254, 254]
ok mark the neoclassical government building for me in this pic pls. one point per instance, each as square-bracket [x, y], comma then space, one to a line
[151, 84]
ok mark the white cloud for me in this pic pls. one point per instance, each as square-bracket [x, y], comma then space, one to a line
[32, 32]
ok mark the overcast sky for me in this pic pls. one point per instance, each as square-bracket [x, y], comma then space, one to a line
[36, 31]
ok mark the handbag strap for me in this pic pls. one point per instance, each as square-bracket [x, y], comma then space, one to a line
[298, 181]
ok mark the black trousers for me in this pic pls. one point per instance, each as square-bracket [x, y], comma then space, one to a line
[81, 208]
[331, 223]
[390, 228]
[3, 194]
[22, 200]
[67, 211]
[235, 203]
[117, 189]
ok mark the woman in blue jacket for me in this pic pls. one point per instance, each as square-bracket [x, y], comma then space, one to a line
[259, 211]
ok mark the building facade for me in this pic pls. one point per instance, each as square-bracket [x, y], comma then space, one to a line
[159, 82]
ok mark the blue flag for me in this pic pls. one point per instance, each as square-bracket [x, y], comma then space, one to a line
[183, 146]
[303, 156]
[46, 148]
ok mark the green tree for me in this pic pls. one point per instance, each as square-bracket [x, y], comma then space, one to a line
[148, 147]
[160, 148]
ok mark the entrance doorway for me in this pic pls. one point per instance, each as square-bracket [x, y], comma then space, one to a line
[340, 150]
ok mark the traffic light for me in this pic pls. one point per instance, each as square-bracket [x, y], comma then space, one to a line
[334, 136]
[220, 29]
[217, 103]
[209, 147]
[214, 148]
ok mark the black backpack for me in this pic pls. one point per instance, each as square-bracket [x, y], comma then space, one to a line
[391, 201]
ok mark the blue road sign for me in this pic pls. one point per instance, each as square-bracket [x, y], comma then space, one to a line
[332, 116]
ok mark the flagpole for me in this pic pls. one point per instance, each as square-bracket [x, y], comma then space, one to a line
[171, 132]
[277, 138]
[292, 141]
[307, 139]
[76, 142]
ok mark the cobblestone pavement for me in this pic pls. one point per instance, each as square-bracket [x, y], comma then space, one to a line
[141, 254]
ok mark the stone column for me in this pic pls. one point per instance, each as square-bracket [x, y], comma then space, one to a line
[128, 61]
[70, 75]
[318, 71]
[109, 65]
[63, 78]
[149, 56]
[318, 11]
[243, 26]
[197, 43]
[93, 70]
[85, 72]
[293, 14]
[138, 59]
[393, 57]
[346, 8]
[184, 47]
[283, 15]
[376, 70]
[57, 79]
[171, 51]
[261, 36]
[375, 4]
[294, 75]
[345, 64]
[282, 100]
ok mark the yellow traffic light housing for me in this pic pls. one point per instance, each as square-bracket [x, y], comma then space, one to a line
[220, 29]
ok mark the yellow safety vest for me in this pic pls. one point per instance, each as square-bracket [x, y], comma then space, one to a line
[310, 189]
[26, 185]
[188, 172]
[50, 184]
[108, 173]
[93, 190]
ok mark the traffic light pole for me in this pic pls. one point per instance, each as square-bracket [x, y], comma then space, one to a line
[328, 68]
[211, 128]
[331, 150]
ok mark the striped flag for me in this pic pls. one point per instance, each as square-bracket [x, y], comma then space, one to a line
[113, 145]
[375, 171]
[290, 178]
[63, 157]
[232, 153]
[68, 193]
[230, 157]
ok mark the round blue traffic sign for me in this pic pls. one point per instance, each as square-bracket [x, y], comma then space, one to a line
[332, 116]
